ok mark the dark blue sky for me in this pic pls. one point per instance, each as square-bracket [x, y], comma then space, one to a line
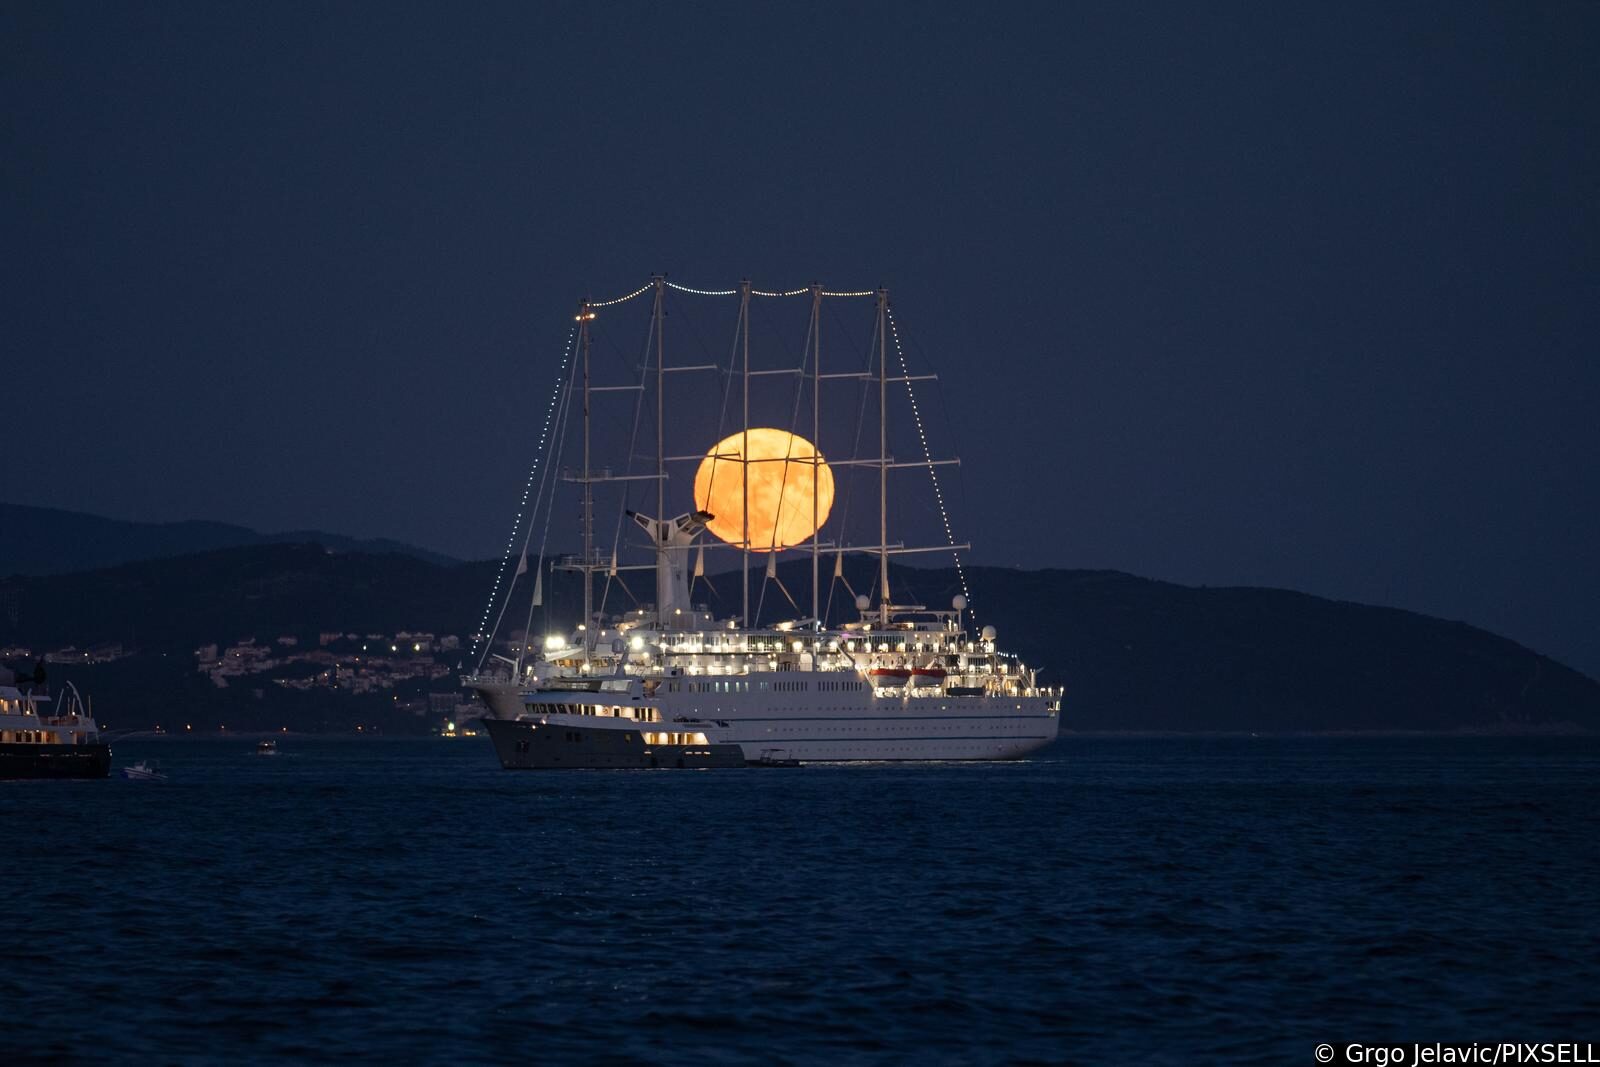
[1299, 295]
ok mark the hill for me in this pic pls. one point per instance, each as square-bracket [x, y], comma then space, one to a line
[1133, 654]
[52, 541]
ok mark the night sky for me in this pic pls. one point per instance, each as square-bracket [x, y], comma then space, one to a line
[1282, 294]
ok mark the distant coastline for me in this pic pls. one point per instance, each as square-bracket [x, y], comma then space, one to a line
[251, 639]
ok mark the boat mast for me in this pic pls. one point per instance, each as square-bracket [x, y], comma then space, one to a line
[744, 447]
[661, 456]
[816, 449]
[883, 454]
[586, 316]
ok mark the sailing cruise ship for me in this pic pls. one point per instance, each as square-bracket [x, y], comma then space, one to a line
[670, 683]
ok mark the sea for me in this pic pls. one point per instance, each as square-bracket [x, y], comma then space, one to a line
[1151, 900]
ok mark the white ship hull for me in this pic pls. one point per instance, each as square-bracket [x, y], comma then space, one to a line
[842, 726]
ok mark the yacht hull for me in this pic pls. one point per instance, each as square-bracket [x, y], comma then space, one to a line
[522, 745]
[19, 761]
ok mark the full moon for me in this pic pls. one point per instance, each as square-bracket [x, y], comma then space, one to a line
[780, 474]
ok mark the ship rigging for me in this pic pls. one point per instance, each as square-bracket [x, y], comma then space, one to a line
[910, 682]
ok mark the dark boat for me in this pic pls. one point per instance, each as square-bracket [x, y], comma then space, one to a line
[36, 744]
[538, 744]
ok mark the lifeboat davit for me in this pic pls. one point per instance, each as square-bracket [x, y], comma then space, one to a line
[927, 676]
[891, 677]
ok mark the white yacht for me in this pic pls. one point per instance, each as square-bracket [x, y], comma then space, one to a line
[671, 683]
[37, 741]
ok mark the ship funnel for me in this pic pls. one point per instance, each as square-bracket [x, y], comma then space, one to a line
[672, 538]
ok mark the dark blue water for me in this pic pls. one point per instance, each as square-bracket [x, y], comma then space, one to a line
[1231, 900]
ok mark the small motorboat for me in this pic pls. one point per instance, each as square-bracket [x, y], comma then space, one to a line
[921, 676]
[144, 771]
[266, 748]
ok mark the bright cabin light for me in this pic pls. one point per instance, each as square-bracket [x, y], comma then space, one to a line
[637, 643]
[555, 642]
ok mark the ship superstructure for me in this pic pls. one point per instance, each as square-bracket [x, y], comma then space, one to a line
[672, 683]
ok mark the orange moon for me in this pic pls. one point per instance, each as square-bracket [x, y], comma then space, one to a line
[780, 475]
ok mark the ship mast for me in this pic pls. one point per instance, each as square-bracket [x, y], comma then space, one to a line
[586, 316]
[744, 446]
[816, 450]
[661, 408]
[883, 455]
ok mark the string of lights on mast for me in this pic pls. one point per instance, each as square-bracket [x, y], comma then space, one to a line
[522, 505]
[887, 329]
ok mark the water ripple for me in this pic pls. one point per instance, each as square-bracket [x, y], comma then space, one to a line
[1179, 901]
